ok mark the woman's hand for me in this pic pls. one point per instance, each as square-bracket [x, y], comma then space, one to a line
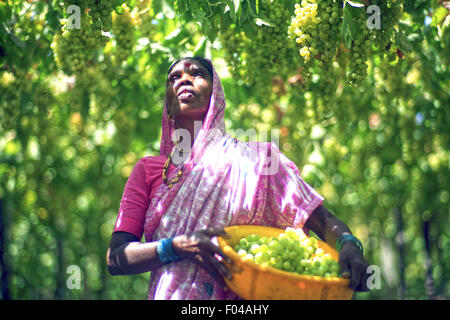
[198, 247]
[354, 266]
[352, 262]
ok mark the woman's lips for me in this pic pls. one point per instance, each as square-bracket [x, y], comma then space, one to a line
[186, 94]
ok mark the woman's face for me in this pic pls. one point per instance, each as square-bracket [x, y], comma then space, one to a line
[188, 90]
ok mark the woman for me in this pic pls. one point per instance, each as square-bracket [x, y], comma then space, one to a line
[182, 199]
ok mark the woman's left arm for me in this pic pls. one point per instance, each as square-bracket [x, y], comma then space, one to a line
[329, 229]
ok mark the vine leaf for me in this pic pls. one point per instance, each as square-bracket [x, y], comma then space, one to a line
[402, 41]
[253, 6]
[351, 30]
[233, 5]
[355, 4]
[200, 50]
[264, 22]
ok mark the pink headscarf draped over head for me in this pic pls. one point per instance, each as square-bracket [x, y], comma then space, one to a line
[224, 182]
[212, 125]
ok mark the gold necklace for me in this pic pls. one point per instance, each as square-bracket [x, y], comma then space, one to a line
[164, 173]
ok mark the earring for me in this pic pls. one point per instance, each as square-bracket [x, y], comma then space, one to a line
[171, 119]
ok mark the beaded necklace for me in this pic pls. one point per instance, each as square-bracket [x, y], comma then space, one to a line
[164, 173]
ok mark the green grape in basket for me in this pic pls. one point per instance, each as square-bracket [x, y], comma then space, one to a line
[291, 251]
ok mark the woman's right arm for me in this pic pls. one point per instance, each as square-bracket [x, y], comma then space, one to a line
[127, 255]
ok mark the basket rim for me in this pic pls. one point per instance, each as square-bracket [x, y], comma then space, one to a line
[337, 281]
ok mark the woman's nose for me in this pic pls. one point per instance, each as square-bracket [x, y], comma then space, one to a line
[185, 79]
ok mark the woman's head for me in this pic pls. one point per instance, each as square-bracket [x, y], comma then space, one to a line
[204, 62]
[189, 87]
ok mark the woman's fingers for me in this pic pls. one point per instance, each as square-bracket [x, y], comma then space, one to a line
[216, 232]
[220, 267]
[211, 251]
[359, 276]
[212, 267]
[212, 247]
[355, 275]
[214, 250]
[203, 261]
[354, 267]
[199, 247]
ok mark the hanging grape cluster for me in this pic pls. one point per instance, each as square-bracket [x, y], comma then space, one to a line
[125, 127]
[272, 51]
[12, 86]
[123, 30]
[100, 13]
[75, 48]
[233, 46]
[258, 53]
[77, 45]
[145, 15]
[94, 93]
[390, 13]
[358, 55]
[316, 29]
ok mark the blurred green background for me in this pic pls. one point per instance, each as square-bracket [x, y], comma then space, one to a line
[78, 110]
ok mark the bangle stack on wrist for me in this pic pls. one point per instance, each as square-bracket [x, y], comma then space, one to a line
[348, 237]
[165, 251]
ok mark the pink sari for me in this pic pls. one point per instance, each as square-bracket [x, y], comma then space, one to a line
[225, 182]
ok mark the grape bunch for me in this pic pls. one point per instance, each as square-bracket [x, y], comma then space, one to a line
[257, 53]
[12, 86]
[94, 89]
[316, 29]
[125, 126]
[123, 30]
[390, 13]
[145, 15]
[101, 14]
[358, 54]
[272, 51]
[75, 48]
[291, 251]
[234, 44]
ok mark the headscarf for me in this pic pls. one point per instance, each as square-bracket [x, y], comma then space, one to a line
[224, 182]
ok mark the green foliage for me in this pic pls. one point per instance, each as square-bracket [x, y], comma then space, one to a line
[79, 107]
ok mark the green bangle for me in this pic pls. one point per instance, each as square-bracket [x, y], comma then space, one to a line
[348, 237]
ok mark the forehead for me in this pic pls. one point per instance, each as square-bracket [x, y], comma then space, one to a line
[185, 65]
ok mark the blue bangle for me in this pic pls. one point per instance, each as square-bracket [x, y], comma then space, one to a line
[165, 251]
[348, 237]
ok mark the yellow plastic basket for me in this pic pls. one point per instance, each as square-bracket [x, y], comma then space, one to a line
[255, 282]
